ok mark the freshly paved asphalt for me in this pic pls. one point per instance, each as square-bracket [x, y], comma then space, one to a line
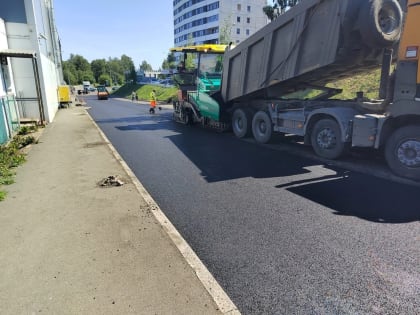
[282, 234]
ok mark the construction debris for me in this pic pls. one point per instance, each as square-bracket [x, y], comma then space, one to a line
[111, 181]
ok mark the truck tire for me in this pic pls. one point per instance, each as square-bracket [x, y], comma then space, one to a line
[188, 118]
[402, 152]
[262, 127]
[241, 122]
[380, 23]
[326, 139]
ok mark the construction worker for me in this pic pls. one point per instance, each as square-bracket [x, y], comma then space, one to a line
[152, 101]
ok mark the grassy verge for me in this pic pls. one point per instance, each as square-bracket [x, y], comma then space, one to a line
[11, 156]
[367, 82]
[163, 94]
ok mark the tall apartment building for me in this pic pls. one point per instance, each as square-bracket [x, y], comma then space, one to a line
[206, 21]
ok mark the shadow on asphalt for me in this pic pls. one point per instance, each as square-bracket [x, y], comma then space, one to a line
[221, 157]
[363, 196]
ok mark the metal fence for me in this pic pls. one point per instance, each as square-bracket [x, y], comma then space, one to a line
[9, 118]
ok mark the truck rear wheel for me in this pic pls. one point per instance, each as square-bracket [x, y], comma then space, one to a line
[241, 123]
[185, 116]
[402, 152]
[326, 139]
[262, 127]
[380, 22]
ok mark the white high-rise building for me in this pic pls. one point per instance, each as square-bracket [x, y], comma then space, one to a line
[208, 21]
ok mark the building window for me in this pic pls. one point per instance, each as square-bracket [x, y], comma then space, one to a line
[248, 20]
[248, 8]
[247, 32]
[238, 31]
[239, 7]
[238, 19]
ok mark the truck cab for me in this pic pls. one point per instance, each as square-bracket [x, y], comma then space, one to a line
[198, 78]
[86, 85]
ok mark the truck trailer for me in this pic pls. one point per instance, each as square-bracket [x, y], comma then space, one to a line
[275, 81]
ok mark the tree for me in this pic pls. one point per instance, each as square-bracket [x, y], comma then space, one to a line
[269, 12]
[118, 78]
[104, 79]
[79, 69]
[190, 62]
[145, 66]
[114, 68]
[117, 70]
[278, 7]
[169, 62]
[225, 32]
[79, 62]
[114, 65]
[127, 65]
[98, 67]
[69, 77]
[165, 64]
[69, 73]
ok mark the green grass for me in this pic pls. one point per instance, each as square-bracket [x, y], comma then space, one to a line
[24, 130]
[11, 157]
[367, 82]
[163, 94]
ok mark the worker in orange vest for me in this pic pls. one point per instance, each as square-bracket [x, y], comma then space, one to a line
[152, 102]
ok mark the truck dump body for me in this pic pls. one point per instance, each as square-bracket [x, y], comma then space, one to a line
[315, 42]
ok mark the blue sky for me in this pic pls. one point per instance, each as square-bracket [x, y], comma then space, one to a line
[140, 29]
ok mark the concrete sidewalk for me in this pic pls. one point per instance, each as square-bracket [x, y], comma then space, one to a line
[69, 246]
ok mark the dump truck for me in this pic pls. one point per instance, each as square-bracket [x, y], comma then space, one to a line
[276, 80]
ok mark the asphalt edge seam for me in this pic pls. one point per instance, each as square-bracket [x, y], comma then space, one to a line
[219, 296]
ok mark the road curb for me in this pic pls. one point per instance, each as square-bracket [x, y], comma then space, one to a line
[219, 296]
